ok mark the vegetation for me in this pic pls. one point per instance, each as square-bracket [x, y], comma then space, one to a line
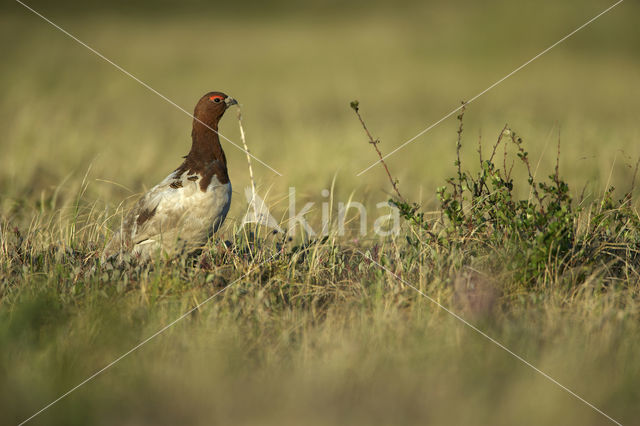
[540, 239]
[287, 329]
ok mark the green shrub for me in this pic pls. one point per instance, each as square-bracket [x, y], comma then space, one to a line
[536, 238]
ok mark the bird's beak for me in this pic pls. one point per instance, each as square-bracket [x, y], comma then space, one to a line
[230, 101]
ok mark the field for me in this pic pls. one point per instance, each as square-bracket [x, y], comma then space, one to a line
[298, 328]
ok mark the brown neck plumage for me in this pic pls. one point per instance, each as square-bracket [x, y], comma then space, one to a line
[205, 146]
[206, 157]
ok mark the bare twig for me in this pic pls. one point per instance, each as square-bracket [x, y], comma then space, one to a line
[458, 147]
[633, 179]
[480, 147]
[556, 175]
[355, 105]
[495, 146]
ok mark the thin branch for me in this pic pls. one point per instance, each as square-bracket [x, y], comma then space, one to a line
[635, 175]
[495, 146]
[458, 147]
[375, 142]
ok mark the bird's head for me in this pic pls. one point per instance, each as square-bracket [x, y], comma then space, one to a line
[212, 106]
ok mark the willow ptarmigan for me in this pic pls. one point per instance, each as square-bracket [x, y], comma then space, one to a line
[184, 210]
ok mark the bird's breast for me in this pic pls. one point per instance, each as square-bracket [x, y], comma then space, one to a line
[205, 207]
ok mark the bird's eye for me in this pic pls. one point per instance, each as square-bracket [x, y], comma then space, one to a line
[216, 99]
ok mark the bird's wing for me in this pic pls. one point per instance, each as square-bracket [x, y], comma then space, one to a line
[160, 210]
[155, 210]
[185, 206]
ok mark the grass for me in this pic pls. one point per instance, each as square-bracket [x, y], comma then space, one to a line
[319, 334]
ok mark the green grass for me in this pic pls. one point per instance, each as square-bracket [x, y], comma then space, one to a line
[318, 334]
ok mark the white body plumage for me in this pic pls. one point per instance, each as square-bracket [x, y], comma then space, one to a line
[176, 215]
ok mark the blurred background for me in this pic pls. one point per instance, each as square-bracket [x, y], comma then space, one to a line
[68, 114]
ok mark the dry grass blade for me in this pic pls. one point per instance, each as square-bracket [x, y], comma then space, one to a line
[246, 150]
